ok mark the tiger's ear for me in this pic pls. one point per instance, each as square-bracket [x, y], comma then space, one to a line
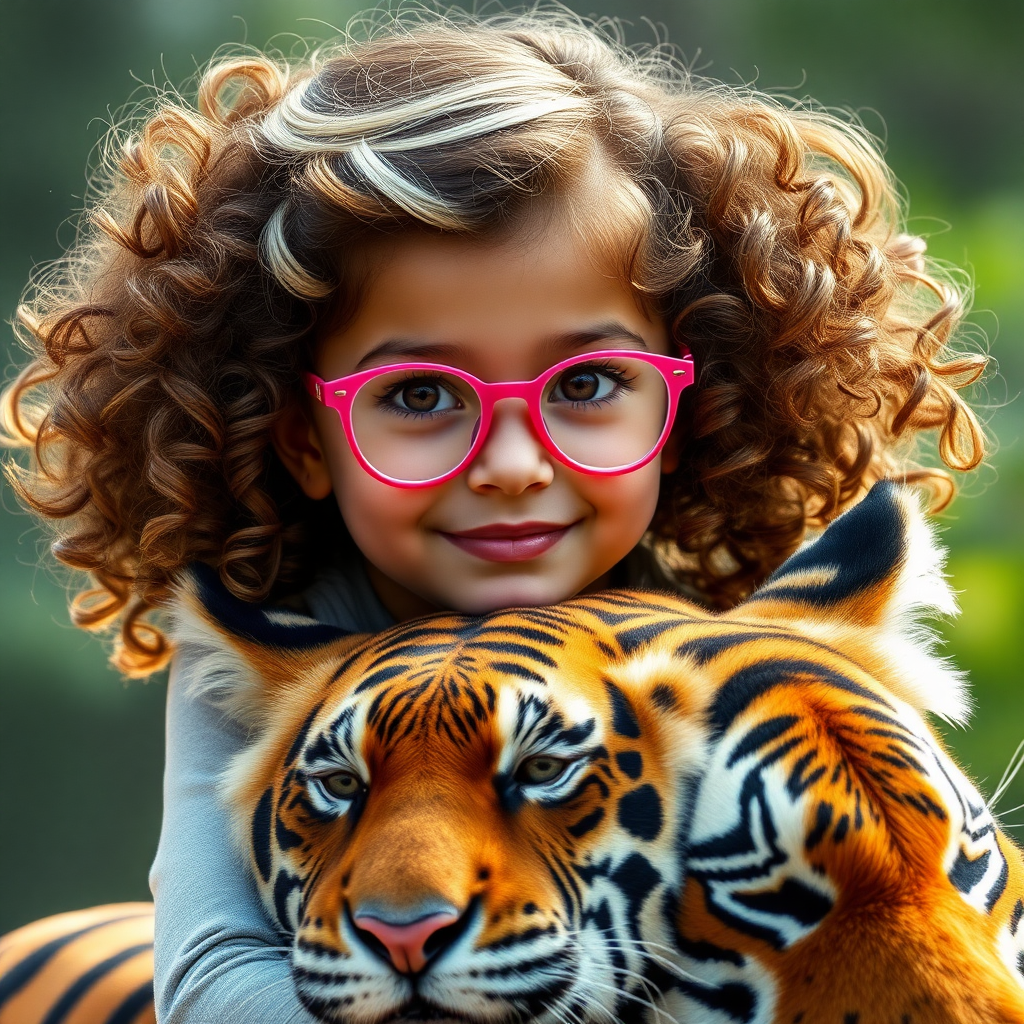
[876, 561]
[249, 659]
[876, 571]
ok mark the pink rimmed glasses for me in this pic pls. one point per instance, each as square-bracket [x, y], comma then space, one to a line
[420, 424]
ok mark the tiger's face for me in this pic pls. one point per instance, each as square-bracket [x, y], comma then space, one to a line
[625, 808]
[477, 820]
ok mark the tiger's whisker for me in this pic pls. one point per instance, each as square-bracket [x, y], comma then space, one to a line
[607, 1013]
[569, 1017]
[593, 983]
[645, 983]
[641, 948]
[1011, 772]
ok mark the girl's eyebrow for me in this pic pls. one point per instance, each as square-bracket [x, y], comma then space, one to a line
[565, 341]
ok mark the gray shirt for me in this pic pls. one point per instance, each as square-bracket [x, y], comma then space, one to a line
[218, 957]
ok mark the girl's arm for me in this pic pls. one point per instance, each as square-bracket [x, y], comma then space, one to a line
[217, 955]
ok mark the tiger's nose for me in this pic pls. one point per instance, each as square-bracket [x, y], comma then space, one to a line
[406, 943]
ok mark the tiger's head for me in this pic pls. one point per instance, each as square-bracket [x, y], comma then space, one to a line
[497, 797]
[492, 819]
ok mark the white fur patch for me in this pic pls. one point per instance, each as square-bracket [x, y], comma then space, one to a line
[217, 670]
[930, 682]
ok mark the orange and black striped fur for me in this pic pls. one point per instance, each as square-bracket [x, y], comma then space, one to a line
[623, 807]
[82, 967]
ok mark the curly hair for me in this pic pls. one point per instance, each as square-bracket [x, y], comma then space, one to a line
[168, 341]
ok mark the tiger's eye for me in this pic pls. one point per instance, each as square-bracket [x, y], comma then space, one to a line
[535, 770]
[343, 785]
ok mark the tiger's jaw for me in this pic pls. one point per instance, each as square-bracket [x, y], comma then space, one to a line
[465, 982]
[543, 978]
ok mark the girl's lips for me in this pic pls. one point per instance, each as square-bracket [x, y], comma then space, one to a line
[502, 542]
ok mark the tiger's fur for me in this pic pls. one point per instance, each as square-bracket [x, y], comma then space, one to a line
[756, 823]
[77, 968]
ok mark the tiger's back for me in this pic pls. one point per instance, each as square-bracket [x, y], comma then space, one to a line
[85, 967]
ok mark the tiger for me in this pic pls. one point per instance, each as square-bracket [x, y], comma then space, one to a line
[624, 807]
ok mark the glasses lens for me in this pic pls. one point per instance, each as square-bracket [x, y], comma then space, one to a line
[415, 425]
[607, 413]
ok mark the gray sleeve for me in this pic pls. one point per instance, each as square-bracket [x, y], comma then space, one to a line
[218, 957]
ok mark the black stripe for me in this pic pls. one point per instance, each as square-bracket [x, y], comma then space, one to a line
[624, 721]
[512, 668]
[409, 649]
[384, 675]
[760, 736]
[633, 638]
[586, 824]
[997, 890]
[241, 619]
[539, 636]
[631, 610]
[520, 650]
[300, 736]
[67, 1002]
[132, 1006]
[747, 684]
[706, 648]
[260, 834]
[17, 978]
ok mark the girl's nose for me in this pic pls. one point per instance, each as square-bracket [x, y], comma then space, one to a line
[513, 458]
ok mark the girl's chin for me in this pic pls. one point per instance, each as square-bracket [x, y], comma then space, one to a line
[508, 585]
[509, 592]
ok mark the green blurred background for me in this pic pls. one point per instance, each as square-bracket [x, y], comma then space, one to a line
[80, 751]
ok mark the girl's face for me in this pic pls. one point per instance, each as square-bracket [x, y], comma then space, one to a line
[517, 527]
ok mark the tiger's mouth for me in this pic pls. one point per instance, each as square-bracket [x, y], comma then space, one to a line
[418, 1010]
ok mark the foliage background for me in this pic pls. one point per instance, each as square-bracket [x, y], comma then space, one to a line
[80, 752]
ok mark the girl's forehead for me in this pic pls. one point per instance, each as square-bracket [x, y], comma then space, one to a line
[506, 303]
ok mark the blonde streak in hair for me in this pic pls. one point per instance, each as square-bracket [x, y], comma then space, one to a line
[402, 192]
[485, 125]
[319, 177]
[296, 129]
[278, 259]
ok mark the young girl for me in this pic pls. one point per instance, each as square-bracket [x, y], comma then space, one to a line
[403, 327]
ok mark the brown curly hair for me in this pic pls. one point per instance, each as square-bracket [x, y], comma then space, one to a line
[169, 340]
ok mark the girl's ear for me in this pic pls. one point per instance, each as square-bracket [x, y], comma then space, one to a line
[297, 443]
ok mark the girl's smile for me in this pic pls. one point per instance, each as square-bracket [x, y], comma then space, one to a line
[509, 542]
[516, 526]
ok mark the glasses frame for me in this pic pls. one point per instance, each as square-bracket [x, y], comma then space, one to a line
[677, 372]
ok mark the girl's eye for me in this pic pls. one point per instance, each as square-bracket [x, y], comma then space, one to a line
[423, 395]
[536, 770]
[584, 384]
[341, 784]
